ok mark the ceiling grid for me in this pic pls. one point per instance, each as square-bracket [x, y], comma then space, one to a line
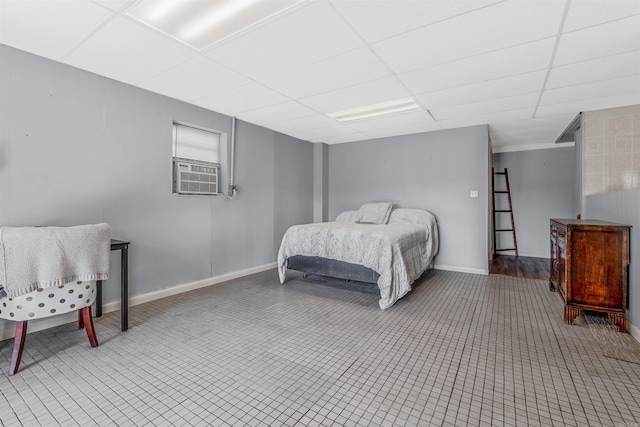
[524, 67]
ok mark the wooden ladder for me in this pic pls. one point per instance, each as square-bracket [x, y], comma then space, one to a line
[501, 211]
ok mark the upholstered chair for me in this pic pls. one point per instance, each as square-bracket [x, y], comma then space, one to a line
[41, 303]
[47, 271]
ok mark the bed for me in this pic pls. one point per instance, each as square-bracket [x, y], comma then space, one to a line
[376, 244]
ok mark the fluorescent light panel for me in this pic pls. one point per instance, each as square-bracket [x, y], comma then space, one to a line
[387, 108]
[199, 23]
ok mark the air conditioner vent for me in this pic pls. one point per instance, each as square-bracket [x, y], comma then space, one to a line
[196, 177]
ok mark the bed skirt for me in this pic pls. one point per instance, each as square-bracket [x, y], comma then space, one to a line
[332, 268]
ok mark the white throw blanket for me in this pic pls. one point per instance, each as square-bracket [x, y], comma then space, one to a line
[40, 257]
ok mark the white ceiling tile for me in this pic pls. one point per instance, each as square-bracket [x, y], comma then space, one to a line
[277, 113]
[195, 79]
[335, 73]
[572, 107]
[592, 104]
[610, 67]
[373, 21]
[129, 52]
[484, 91]
[325, 132]
[515, 114]
[530, 131]
[346, 137]
[502, 63]
[244, 98]
[558, 122]
[332, 133]
[509, 103]
[600, 41]
[358, 95]
[309, 34]
[317, 121]
[396, 122]
[587, 13]
[485, 30]
[48, 28]
[115, 5]
[403, 130]
[599, 89]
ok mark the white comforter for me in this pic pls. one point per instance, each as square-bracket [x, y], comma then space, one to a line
[399, 252]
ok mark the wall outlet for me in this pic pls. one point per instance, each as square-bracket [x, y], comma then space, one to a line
[473, 194]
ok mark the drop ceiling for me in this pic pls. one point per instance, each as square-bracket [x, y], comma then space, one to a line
[525, 67]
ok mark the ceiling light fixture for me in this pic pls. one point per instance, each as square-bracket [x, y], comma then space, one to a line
[386, 108]
[162, 9]
[215, 17]
[199, 23]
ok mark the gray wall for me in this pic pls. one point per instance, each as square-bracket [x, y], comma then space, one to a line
[542, 187]
[293, 185]
[80, 148]
[433, 171]
[578, 192]
[320, 182]
[622, 207]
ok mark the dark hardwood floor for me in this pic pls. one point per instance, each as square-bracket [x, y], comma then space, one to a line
[520, 266]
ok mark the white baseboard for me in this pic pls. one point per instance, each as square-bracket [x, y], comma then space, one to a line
[634, 331]
[38, 325]
[186, 287]
[461, 269]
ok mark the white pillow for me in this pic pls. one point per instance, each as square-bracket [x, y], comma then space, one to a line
[375, 213]
[349, 216]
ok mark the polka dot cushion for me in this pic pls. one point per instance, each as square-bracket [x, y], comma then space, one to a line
[48, 301]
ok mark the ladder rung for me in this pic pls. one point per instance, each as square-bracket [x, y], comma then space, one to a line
[504, 210]
[499, 173]
[506, 229]
[512, 249]
[500, 191]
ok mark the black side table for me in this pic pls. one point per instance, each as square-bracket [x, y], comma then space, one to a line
[123, 246]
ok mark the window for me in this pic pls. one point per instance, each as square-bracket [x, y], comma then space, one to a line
[196, 160]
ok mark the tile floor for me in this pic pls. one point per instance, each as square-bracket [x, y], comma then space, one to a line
[461, 349]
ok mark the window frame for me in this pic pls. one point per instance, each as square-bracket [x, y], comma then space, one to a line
[222, 166]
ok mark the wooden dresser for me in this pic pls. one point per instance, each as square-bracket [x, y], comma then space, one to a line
[589, 267]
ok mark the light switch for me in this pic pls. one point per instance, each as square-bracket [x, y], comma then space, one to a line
[473, 194]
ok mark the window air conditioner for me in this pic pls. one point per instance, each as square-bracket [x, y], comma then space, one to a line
[196, 178]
